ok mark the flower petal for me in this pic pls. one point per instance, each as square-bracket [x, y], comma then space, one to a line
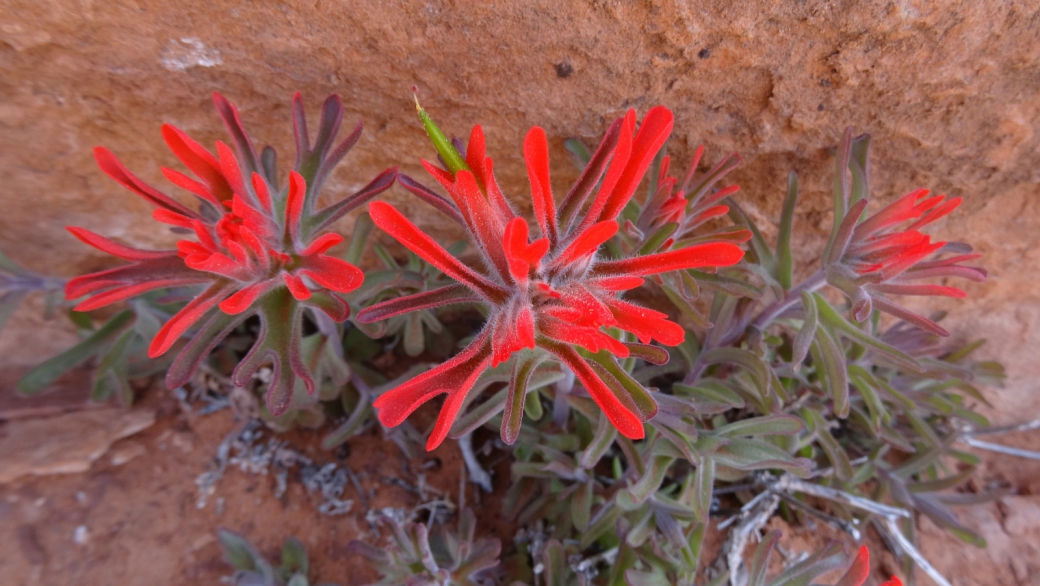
[332, 273]
[646, 323]
[621, 417]
[536, 156]
[716, 254]
[114, 248]
[395, 224]
[296, 286]
[192, 312]
[111, 166]
[201, 162]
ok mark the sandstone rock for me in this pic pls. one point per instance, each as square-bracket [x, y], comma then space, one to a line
[67, 443]
[1022, 519]
[1012, 548]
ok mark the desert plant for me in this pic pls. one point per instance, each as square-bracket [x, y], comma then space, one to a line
[421, 555]
[781, 382]
[260, 248]
[547, 298]
[120, 345]
[252, 569]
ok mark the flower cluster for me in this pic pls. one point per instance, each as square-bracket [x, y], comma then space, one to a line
[679, 208]
[259, 248]
[887, 260]
[553, 293]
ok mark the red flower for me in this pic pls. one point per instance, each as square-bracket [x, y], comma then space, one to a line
[859, 571]
[878, 259]
[259, 249]
[552, 293]
[683, 207]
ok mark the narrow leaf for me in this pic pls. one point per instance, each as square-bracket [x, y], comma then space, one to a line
[785, 260]
[51, 370]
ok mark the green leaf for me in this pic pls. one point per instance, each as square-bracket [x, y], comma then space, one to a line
[835, 453]
[110, 376]
[655, 240]
[146, 322]
[835, 373]
[51, 370]
[760, 562]
[766, 425]
[841, 186]
[242, 555]
[685, 307]
[831, 557]
[604, 521]
[750, 362]
[579, 151]
[831, 317]
[581, 506]
[358, 238]
[762, 251]
[639, 398]
[752, 454]
[451, 157]
[704, 482]
[870, 397]
[727, 284]
[413, 335]
[785, 260]
[942, 483]
[524, 366]
[859, 164]
[555, 560]
[601, 442]
[805, 335]
[384, 255]
[651, 480]
[710, 397]
[82, 321]
[347, 429]
[294, 557]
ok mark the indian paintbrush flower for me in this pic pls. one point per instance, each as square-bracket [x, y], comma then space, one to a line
[554, 293]
[870, 258]
[259, 248]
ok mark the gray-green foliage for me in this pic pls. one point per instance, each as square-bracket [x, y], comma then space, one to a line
[252, 569]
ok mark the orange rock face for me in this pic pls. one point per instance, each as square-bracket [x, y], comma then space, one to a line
[949, 94]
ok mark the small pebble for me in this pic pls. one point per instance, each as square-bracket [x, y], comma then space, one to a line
[81, 535]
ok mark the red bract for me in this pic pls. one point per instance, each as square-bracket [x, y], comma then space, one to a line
[553, 293]
[858, 572]
[675, 210]
[882, 259]
[871, 258]
[259, 249]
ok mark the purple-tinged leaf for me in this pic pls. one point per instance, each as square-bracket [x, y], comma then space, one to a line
[523, 367]
[446, 295]
[818, 426]
[765, 425]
